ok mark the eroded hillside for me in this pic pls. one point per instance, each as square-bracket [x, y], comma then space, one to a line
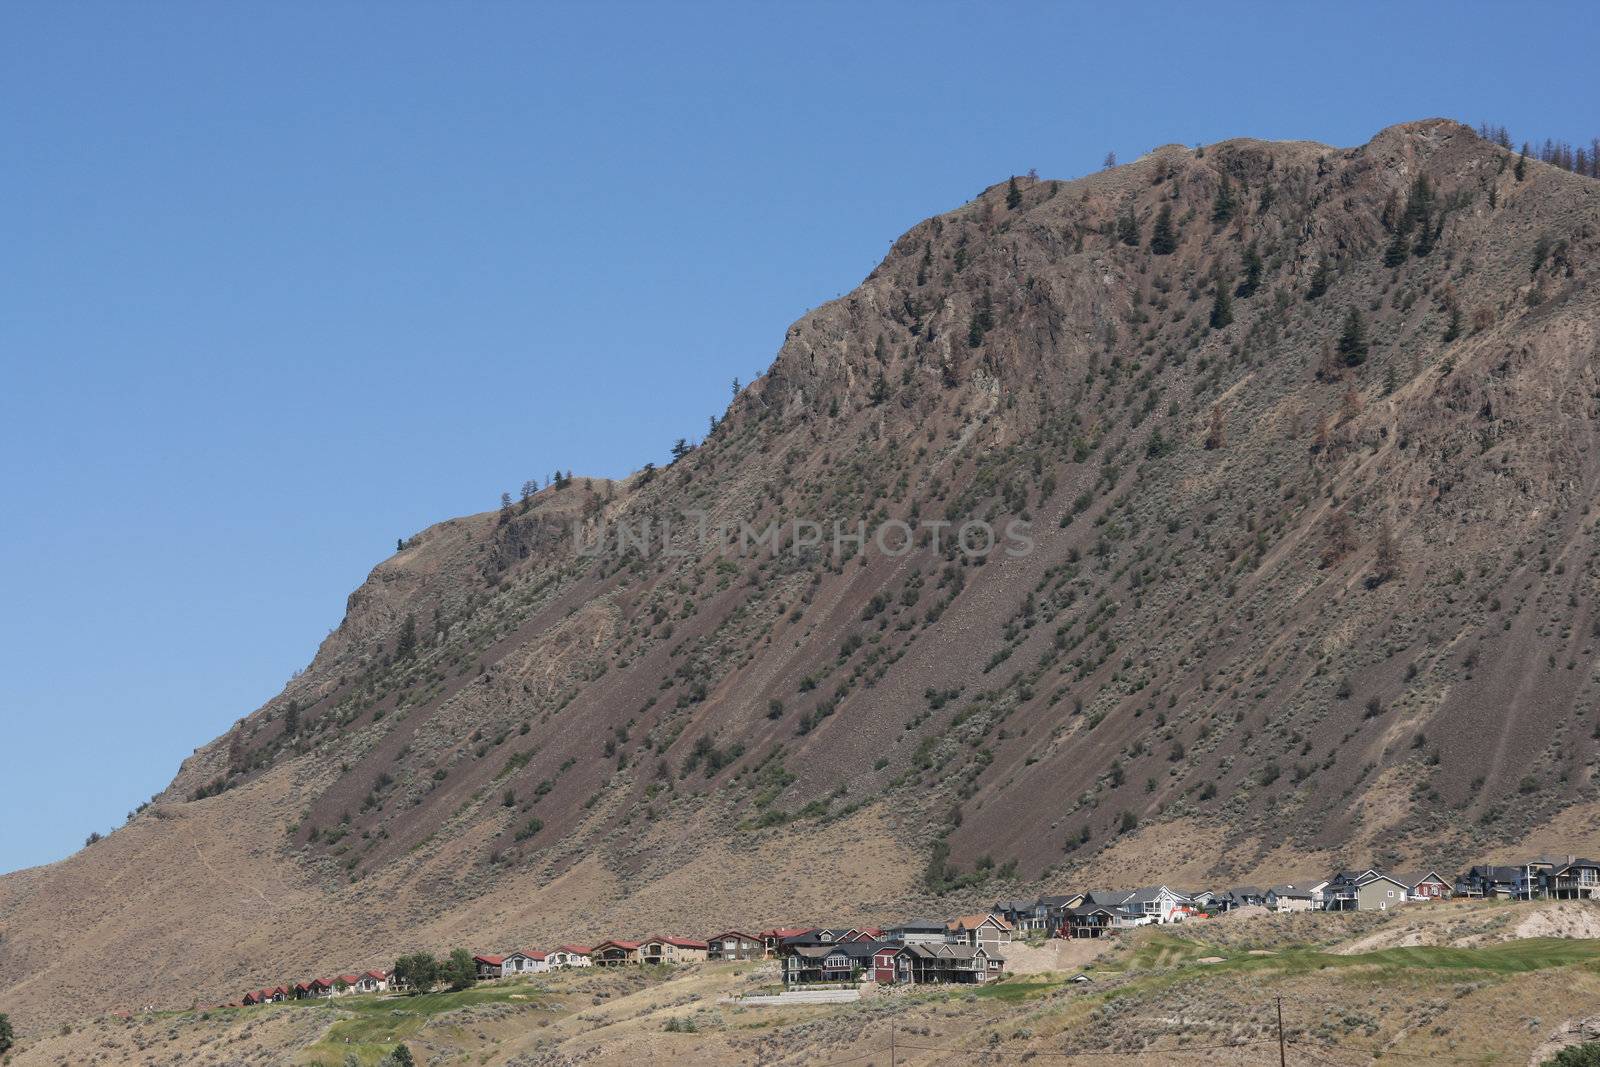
[1303, 439]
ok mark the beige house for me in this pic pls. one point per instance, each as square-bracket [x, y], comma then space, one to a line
[665, 950]
[984, 931]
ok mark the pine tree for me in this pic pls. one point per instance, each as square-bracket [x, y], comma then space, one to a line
[1221, 307]
[1252, 272]
[1223, 206]
[1353, 341]
[291, 719]
[1013, 194]
[1128, 228]
[880, 390]
[680, 448]
[7, 1037]
[1399, 249]
[1320, 280]
[406, 644]
[1522, 163]
[1163, 241]
[982, 321]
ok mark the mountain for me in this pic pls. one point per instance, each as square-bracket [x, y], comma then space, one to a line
[1289, 452]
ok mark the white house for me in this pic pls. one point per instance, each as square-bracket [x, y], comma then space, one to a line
[569, 956]
[372, 982]
[524, 963]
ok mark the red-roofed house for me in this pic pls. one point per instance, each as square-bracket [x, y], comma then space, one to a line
[569, 956]
[372, 982]
[672, 950]
[772, 939]
[488, 966]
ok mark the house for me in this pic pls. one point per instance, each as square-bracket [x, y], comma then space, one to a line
[301, 990]
[923, 963]
[664, 950]
[1288, 898]
[1426, 885]
[1576, 879]
[489, 967]
[1490, 881]
[524, 963]
[260, 996]
[1053, 910]
[615, 953]
[1019, 913]
[345, 984]
[917, 931]
[1368, 890]
[846, 962]
[885, 963]
[772, 940]
[373, 982]
[1241, 896]
[733, 945]
[569, 956]
[990, 931]
[320, 987]
[1090, 920]
[1163, 904]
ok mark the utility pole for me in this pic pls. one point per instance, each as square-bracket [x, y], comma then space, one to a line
[1282, 1057]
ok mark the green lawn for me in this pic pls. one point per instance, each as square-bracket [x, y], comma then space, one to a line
[371, 1026]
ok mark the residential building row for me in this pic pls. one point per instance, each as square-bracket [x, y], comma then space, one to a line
[971, 948]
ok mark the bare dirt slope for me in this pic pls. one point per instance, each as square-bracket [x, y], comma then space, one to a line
[1305, 439]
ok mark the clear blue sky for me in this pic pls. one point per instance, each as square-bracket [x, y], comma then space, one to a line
[280, 283]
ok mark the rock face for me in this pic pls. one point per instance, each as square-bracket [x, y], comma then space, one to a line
[1299, 442]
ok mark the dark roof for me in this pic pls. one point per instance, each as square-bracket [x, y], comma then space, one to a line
[855, 950]
[1056, 902]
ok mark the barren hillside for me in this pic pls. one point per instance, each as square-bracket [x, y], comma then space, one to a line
[1301, 438]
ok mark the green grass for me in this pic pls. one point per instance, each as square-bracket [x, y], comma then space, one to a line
[370, 1026]
[1013, 990]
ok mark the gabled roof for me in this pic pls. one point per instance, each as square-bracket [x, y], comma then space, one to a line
[732, 933]
[950, 952]
[680, 942]
[348, 979]
[493, 961]
[972, 922]
[574, 950]
[629, 945]
[379, 975]
[1150, 893]
[783, 932]
[1293, 891]
[1575, 863]
[1058, 901]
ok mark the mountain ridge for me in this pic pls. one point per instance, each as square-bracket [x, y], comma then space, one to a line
[1291, 595]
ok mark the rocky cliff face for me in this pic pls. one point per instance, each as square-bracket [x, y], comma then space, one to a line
[1298, 442]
